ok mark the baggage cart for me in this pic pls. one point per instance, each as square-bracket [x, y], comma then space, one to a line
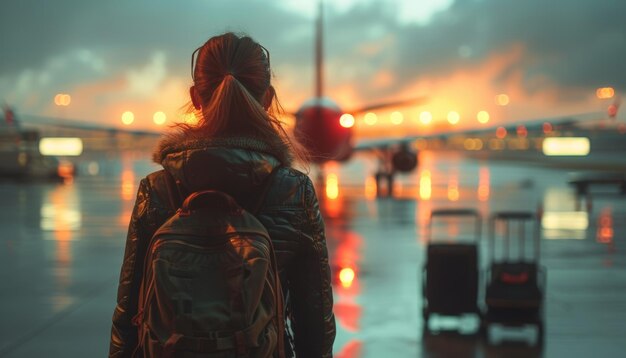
[450, 275]
[514, 295]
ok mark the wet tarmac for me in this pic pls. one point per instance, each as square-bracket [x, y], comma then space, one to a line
[62, 244]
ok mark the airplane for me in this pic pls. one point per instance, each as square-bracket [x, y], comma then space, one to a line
[319, 127]
[19, 153]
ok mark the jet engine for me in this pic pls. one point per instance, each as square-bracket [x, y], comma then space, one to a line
[404, 160]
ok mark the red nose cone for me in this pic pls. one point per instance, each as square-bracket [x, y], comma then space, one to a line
[320, 130]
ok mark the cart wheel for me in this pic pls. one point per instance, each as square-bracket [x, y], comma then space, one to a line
[485, 330]
[482, 328]
[540, 334]
[426, 317]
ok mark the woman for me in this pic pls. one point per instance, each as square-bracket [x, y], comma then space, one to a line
[236, 144]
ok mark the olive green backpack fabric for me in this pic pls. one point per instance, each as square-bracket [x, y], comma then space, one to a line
[210, 285]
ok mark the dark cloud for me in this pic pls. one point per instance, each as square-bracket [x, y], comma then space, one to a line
[126, 31]
[575, 43]
[570, 43]
[41, 39]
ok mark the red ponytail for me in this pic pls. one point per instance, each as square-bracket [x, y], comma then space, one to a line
[232, 83]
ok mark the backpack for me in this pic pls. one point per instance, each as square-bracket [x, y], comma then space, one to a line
[210, 284]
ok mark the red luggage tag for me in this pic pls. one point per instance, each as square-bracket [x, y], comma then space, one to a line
[513, 278]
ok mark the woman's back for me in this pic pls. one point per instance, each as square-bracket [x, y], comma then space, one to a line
[218, 154]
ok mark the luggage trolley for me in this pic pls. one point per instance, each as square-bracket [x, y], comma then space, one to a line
[450, 275]
[515, 288]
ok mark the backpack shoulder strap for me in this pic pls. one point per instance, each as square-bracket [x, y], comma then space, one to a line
[175, 196]
[280, 318]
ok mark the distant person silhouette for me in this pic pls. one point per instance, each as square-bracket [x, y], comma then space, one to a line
[235, 145]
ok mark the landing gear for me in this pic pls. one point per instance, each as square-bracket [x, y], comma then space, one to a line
[385, 174]
[380, 178]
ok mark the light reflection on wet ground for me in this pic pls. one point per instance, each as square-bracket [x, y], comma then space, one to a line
[62, 247]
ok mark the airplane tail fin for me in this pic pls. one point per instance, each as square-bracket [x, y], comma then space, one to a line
[319, 52]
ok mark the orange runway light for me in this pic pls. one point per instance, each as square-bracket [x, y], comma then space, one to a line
[62, 99]
[332, 186]
[483, 184]
[397, 118]
[128, 185]
[483, 117]
[605, 92]
[502, 99]
[454, 117]
[159, 118]
[66, 171]
[453, 190]
[522, 131]
[346, 120]
[425, 185]
[128, 118]
[501, 132]
[346, 276]
[370, 188]
[605, 232]
[370, 119]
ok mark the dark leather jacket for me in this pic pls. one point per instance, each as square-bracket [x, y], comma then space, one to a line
[290, 213]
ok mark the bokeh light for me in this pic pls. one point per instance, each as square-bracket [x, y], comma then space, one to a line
[605, 92]
[346, 276]
[159, 118]
[370, 119]
[501, 132]
[502, 99]
[483, 117]
[346, 120]
[62, 99]
[128, 118]
[397, 118]
[454, 117]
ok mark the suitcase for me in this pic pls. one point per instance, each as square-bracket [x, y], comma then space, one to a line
[450, 274]
[515, 287]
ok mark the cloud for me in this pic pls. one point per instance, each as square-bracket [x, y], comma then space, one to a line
[146, 81]
[575, 43]
[557, 51]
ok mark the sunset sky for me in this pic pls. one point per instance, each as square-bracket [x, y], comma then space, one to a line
[549, 57]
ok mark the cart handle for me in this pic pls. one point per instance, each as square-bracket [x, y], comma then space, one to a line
[513, 215]
[522, 217]
[455, 212]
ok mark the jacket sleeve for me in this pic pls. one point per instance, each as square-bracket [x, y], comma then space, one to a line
[312, 297]
[123, 332]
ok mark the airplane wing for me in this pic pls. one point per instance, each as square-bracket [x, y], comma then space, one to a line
[83, 126]
[389, 104]
[533, 128]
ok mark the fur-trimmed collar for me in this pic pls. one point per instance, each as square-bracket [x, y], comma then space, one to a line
[179, 141]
